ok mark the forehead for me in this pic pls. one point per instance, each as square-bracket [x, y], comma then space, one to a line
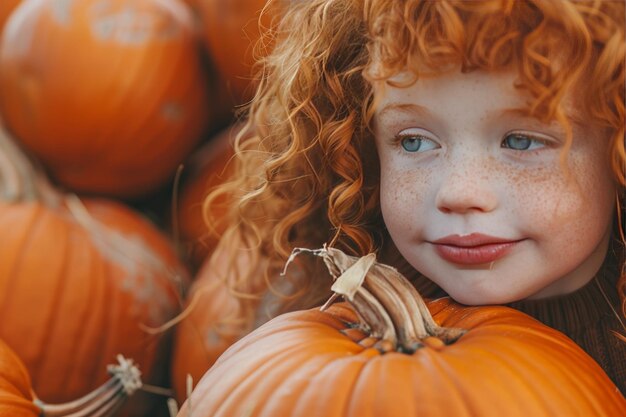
[437, 93]
[477, 91]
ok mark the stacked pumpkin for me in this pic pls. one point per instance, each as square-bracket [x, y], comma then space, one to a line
[79, 279]
[107, 99]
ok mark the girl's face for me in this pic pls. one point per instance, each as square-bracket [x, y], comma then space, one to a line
[475, 196]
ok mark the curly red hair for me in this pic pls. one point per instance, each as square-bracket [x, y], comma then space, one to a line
[307, 169]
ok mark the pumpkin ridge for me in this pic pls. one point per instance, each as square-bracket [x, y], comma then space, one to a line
[453, 387]
[110, 323]
[294, 333]
[355, 381]
[101, 271]
[567, 371]
[44, 218]
[280, 355]
[98, 293]
[247, 388]
[52, 313]
[11, 283]
[294, 381]
[522, 366]
[511, 368]
[328, 375]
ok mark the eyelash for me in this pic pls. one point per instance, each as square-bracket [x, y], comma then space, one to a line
[399, 138]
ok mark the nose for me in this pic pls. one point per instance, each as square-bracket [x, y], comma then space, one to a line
[468, 188]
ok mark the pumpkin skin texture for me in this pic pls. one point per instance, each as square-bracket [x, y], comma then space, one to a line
[483, 361]
[16, 396]
[110, 95]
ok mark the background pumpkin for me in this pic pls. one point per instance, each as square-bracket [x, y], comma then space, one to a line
[78, 279]
[212, 322]
[320, 363]
[208, 167]
[111, 96]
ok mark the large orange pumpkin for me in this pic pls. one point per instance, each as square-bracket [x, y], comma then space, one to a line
[110, 95]
[79, 279]
[18, 400]
[389, 358]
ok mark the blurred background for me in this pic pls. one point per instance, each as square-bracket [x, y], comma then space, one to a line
[116, 118]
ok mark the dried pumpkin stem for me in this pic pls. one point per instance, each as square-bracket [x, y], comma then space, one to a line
[105, 400]
[389, 307]
[414, 305]
[371, 310]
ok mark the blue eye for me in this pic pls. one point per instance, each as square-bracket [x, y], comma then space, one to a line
[416, 143]
[411, 144]
[522, 142]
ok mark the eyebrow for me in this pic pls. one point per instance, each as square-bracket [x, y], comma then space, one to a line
[409, 108]
[416, 109]
[574, 117]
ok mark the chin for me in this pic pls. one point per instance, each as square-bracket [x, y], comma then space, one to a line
[479, 298]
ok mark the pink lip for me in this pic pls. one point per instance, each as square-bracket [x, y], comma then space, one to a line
[473, 249]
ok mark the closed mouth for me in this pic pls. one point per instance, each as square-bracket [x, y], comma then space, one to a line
[473, 251]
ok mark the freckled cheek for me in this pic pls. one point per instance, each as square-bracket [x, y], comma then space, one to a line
[403, 194]
[550, 202]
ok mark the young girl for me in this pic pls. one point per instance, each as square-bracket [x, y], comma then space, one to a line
[477, 146]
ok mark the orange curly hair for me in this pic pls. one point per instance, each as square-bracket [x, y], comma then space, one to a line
[307, 168]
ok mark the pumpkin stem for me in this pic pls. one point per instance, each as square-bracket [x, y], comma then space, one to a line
[389, 307]
[105, 400]
[20, 178]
